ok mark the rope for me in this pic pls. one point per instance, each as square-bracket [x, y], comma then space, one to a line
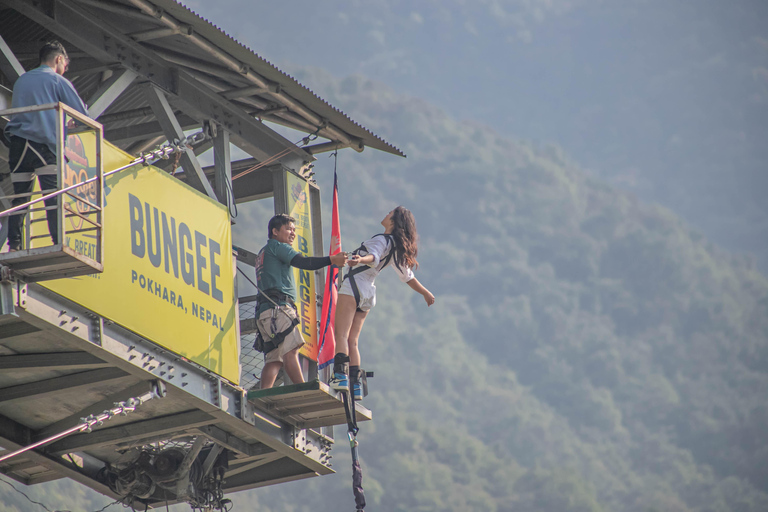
[28, 498]
[304, 141]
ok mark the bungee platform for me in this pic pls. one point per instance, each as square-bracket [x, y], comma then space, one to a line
[60, 362]
[307, 405]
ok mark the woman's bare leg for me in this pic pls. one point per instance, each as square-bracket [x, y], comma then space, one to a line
[354, 334]
[345, 314]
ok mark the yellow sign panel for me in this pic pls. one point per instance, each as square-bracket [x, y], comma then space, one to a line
[306, 301]
[168, 267]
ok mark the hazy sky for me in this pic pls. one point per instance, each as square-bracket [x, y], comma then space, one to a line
[668, 100]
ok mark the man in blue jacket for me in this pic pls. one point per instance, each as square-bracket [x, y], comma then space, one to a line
[32, 135]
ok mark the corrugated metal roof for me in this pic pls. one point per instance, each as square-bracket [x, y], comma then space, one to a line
[290, 85]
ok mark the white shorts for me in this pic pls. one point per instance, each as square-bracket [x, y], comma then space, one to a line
[365, 288]
[293, 339]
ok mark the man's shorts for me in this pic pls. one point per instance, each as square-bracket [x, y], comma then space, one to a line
[293, 339]
[366, 291]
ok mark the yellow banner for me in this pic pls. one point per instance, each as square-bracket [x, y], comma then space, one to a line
[306, 300]
[168, 267]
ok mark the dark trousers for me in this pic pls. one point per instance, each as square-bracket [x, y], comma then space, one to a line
[27, 159]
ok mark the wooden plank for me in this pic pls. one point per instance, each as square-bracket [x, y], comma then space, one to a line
[306, 405]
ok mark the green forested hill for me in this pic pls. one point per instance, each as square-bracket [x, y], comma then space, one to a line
[587, 353]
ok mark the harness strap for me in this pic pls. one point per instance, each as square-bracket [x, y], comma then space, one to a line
[355, 290]
[362, 268]
[349, 411]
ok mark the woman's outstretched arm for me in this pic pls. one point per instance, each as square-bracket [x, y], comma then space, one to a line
[418, 287]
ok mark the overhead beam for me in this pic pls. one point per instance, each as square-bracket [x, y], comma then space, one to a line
[17, 465]
[252, 90]
[259, 461]
[144, 131]
[324, 146]
[233, 443]
[57, 385]
[222, 165]
[105, 43]
[88, 66]
[155, 33]
[45, 476]
[325, 128]
[116, 8]
[52, 361]
[173, 131]
[131, 432]
[125, 115]
[109, 91]
[9, 64]
[274, 472]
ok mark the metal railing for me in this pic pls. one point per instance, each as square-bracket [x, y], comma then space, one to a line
[80, 183]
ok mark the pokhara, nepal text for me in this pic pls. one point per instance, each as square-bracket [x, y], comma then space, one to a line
[189, 256]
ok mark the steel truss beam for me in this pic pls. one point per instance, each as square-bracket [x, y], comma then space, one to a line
[222, 165]
[234, 443]
[108, 45]
[131, 432]
[95, 408]
[326, 129]
[237, 467]
[14, 436]
[58, 384]
[144, 131]
[109, 91]
[173, 131]
[52, 361]
[116, 8]
[9, 64]
[273, 472]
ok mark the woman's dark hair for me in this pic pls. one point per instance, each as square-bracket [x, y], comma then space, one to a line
[277, 222]
[406, 238]
[51, 50]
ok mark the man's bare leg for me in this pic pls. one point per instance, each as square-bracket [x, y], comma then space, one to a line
[269, 374]
[292, 366]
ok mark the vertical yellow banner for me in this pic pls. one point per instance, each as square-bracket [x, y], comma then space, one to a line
[306, 300]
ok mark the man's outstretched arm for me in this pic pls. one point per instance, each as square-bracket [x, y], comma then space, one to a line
[318, 262]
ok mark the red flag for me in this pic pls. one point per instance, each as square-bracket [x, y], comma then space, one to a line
[327, 340]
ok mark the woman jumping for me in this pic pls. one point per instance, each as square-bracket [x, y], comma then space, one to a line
[396, 247]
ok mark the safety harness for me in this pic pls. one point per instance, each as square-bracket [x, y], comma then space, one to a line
[273, 296]
[362, 268]
[276, 338]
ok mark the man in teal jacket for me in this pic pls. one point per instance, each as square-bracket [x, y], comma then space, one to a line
[276, 313]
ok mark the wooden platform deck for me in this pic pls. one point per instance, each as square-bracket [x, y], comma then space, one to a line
[307, 405]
